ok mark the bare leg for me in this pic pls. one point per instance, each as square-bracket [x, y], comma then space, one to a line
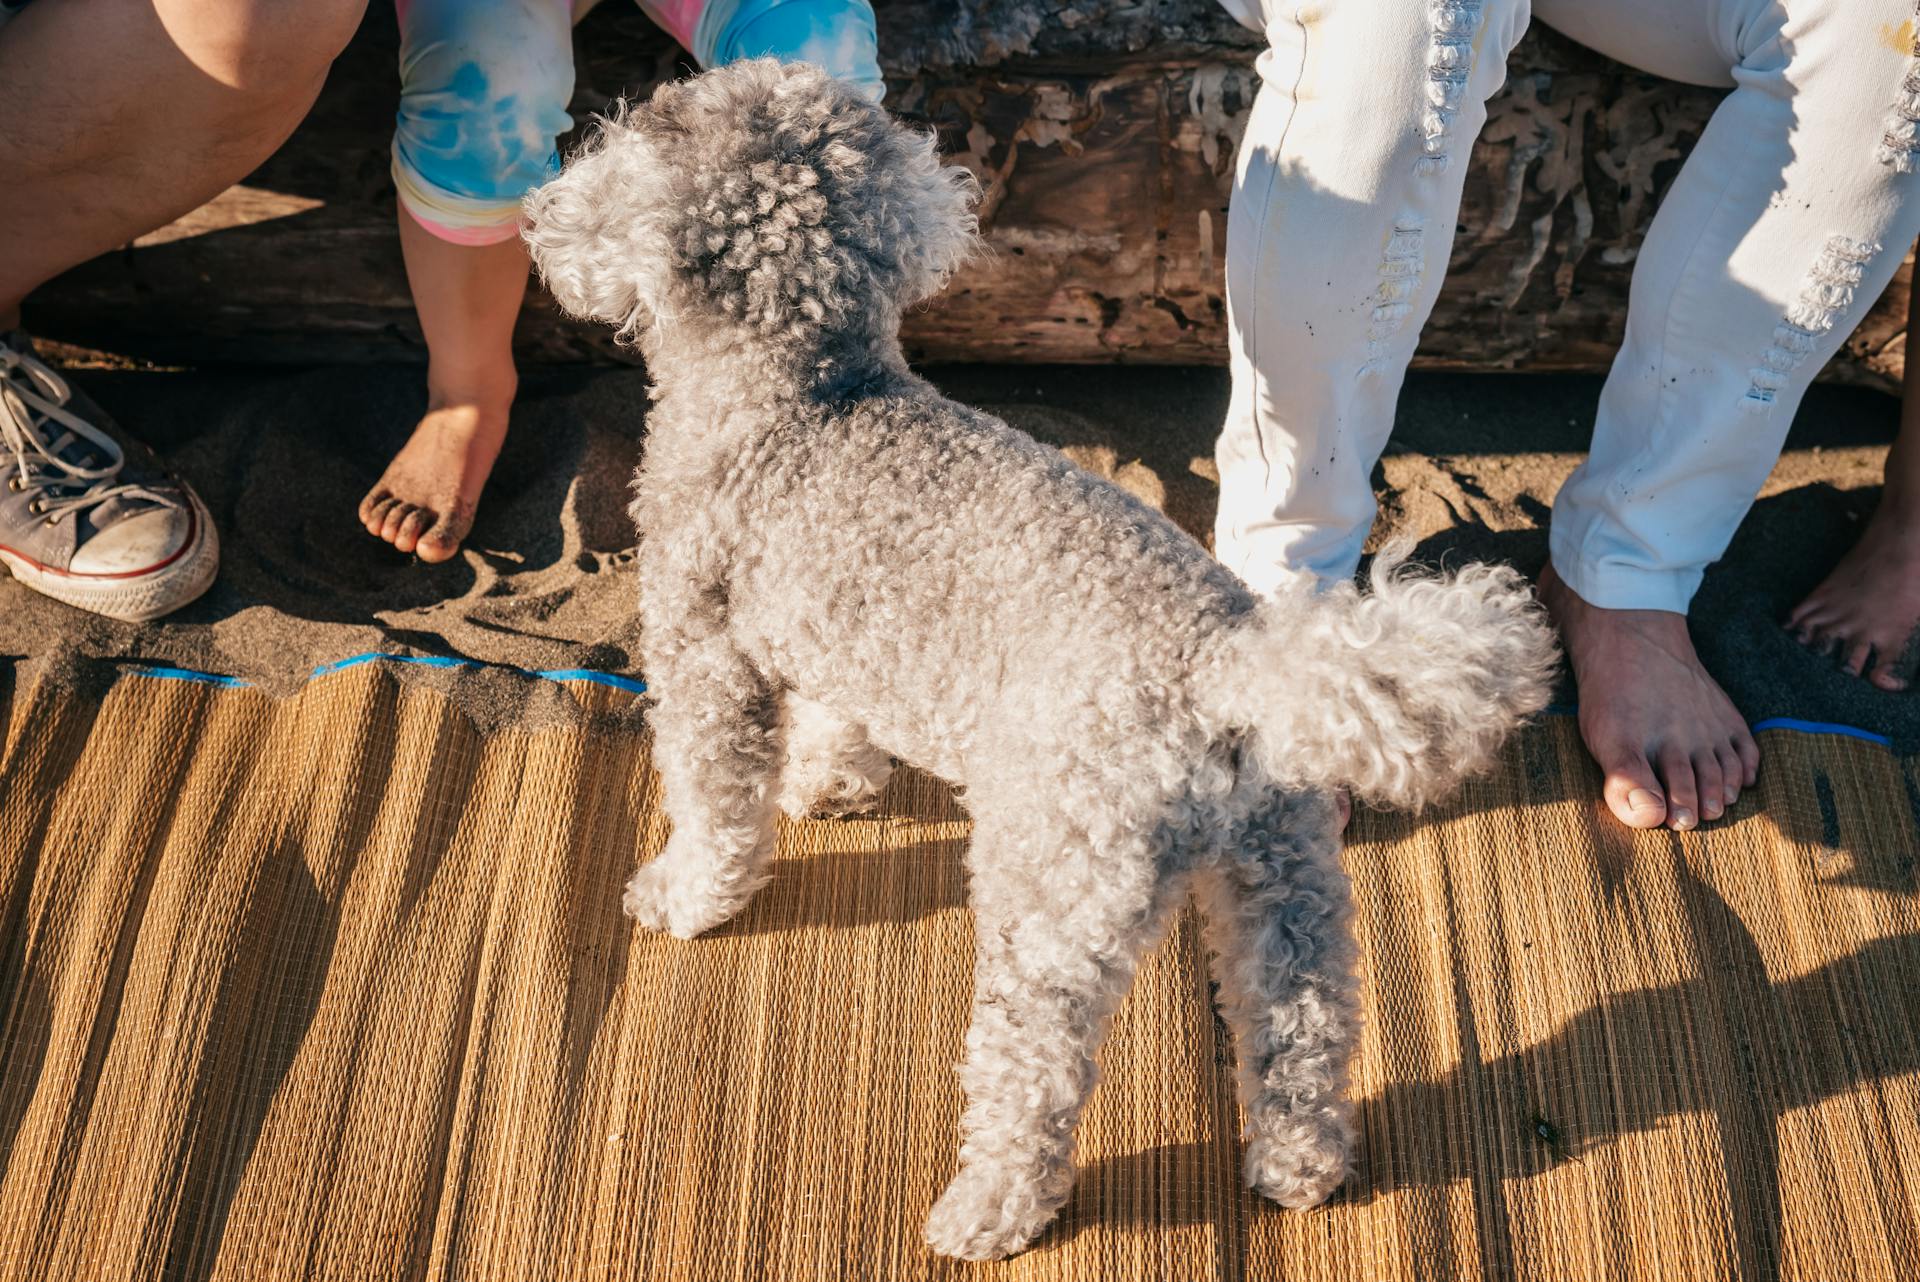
[1868, 608]
[1278, 913]
[831, 767]
[1060, 933]
[90, 163]
[717, 746]
[468, 297]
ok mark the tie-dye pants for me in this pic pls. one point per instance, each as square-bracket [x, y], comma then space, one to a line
[485, 85]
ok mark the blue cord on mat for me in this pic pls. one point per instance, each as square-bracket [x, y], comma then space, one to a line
[1770, 723]
[373, 656]
[630, 684]
[634, 686]
[1821, 727]
[188, 674]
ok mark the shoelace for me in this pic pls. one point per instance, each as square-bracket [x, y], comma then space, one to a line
[33, 399]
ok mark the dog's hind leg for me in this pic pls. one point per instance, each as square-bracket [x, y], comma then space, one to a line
[1061, 928]
[831, 767]
[717, 745]
[1278, 911]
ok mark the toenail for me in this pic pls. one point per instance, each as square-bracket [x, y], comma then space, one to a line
[1641, 799]
[1683, 818]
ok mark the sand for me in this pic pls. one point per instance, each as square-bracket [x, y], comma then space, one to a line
[544, 582]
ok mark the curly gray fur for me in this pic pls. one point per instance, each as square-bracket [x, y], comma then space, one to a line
[1128, 722]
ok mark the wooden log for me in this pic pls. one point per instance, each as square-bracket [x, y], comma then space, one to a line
[1104, 135]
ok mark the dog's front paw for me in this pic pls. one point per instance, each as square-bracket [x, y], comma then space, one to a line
[660, 898]
[988, 1214]
[1301, 1167]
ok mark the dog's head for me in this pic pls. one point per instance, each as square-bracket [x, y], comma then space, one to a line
[760, 196]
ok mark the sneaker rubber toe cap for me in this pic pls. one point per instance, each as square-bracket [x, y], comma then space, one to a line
[138, 543]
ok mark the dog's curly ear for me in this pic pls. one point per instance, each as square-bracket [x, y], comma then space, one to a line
[594, 231]
[932, 208]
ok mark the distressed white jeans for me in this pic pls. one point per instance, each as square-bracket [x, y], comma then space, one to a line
[1784, 225]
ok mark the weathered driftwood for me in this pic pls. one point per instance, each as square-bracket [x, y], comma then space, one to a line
[1104, 134]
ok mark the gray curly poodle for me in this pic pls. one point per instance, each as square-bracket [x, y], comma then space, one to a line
[840, 566]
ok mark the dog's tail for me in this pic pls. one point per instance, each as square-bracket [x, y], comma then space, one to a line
[1396, 694]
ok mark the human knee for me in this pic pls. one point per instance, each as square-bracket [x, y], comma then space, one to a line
[484, 90]
[270, 50]
[837, 36]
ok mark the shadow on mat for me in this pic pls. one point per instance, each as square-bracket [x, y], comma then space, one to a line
[1171, 1185]
[23, 1054]
[880, 881]
[1732, 1037]
[260, 1017]
[285, 949]
[845, 889]
[1746, 1058]
[1751, 1067]
[1880, 863]
[28, 788]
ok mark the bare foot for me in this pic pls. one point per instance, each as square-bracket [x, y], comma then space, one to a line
[425, 500]
[1672, 745]
[1868, 608]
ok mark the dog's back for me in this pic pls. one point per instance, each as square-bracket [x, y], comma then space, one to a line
[952, 583]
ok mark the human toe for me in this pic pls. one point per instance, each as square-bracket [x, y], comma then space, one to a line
[1893, 660]
[1811, 618]
[1710, 784]
[1681, 788]
[374, 509]
[1632, 792]
[441, 541]
[1817, 631]
[1733, 773]
[1804, 616]
[411, 526]
[396, 516]
[1748, 751]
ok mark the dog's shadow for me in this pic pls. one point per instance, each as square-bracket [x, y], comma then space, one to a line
[851, 888]
[1707, 1046]
[900, 862]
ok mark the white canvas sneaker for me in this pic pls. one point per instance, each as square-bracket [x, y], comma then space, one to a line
[80, 520]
